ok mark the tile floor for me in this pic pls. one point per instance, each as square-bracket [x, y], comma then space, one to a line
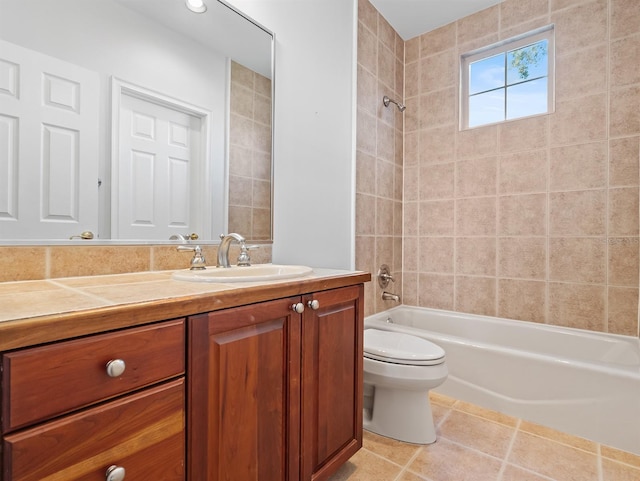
[475, 444]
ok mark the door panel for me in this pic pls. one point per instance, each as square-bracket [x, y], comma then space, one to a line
[48, 146]
[159, 159]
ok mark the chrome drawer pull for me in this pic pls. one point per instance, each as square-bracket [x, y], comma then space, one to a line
[115, 473]
[315, 304]
[115, 368]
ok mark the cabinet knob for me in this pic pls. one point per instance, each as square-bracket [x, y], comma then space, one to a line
[115, 473]
[115, 368]
[314, 304]
[298, 307]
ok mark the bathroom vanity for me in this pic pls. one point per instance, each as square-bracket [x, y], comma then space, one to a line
[251, 381]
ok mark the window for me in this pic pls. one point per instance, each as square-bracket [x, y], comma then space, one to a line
[508, 80]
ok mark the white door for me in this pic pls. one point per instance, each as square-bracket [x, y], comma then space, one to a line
[48, 146]
[160, 158]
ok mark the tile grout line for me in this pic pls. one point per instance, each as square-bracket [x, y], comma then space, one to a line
[516, 428]
[405, 468]
[599, 462]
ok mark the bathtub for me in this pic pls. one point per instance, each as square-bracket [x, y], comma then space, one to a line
[579, 382]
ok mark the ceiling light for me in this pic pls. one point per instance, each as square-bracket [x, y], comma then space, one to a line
[196, 6]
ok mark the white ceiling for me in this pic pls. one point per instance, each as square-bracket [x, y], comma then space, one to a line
[411, 18]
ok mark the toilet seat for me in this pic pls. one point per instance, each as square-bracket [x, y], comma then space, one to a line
[400, 348]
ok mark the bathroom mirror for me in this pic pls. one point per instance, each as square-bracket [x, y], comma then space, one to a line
[137, 120]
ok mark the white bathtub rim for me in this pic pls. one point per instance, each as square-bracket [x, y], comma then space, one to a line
[379, 321]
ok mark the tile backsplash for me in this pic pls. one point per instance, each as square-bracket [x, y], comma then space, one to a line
[19, 263]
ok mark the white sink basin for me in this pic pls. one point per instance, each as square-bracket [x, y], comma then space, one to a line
[255, 273]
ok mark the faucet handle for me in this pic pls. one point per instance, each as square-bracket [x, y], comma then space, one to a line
[243, 258]
[198, 261]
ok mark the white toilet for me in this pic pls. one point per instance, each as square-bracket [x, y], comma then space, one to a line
[399, 371]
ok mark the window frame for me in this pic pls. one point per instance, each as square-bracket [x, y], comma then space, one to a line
[545, 33]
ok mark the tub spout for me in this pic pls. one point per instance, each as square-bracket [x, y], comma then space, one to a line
[387, 296]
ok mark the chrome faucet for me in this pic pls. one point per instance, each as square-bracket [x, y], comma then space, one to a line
[198, 262]
[223, 248]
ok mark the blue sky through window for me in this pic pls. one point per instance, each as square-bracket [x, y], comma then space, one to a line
[509, 85]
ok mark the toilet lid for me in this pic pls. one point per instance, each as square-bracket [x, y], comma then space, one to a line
[400, 348]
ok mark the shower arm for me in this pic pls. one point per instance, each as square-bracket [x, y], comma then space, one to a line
[386, 101]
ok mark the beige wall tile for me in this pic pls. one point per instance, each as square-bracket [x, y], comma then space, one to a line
[384, 217]
[478, 142]
[577, 213]
[434, 254]
[23, 263]
[438, 108]
[385, 179]
[412, 77]
[436, 217]
[476, 256]
[64, 260]
[523, 300]
[366, 135]
[570, 78]
[438, 71]
[522, 257]
[577, 305]
[624, 56]
[437, 40]
[365, 214]
[476, 177]
[368, 15]
[365, 173]
[522, 215]
[476, 295]
[386, 66]
[412, 50]
[622, 315]
[524, 134]
[577, 167]
[580, 26]
[623, 261]
[437, 144]
[579, 120]
[367, 90]
[478, 24]
[476, 216]
[625, 18]
[623, 211]
[578, 259]
[411, 218]
[624, 111]
[512, 12]
[523, 172]
[435, 290]
[385, 141]
[436, 181]
[624, 157]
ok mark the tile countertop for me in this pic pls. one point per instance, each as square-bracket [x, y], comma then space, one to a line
[34, 312]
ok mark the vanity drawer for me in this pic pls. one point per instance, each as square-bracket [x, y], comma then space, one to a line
[46, 381]
[142, 433]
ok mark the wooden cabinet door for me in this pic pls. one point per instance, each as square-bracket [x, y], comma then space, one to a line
[244, 374]
[331, 407]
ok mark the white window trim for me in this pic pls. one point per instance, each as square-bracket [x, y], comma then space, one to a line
[544, 33]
